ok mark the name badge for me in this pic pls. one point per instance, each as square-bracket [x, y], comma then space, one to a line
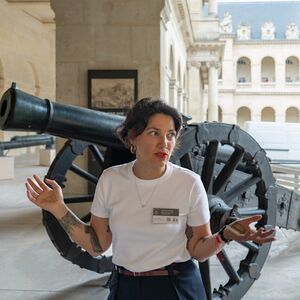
[165, 216]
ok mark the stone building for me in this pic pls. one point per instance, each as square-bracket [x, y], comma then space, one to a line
[260, 67]
[228, 62]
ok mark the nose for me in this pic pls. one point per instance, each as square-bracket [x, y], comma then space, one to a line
[163, 141]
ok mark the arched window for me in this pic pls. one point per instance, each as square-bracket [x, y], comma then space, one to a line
[243, 115]
[268, 69]
[243, 70]
[292, 115]
[268, 114]
[292, 69]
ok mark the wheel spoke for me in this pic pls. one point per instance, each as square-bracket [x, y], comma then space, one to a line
[228, 169]
[228, 267]
[205, 274]
[251, 246]
[209, 164]
[186, 161]
[238, 189]
[97, 154]
[84, 174]
[78, 199]
[251, 211]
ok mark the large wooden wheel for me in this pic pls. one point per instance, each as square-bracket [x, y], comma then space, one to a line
[238, 179]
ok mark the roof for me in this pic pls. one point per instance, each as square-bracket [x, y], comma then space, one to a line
[255, 14]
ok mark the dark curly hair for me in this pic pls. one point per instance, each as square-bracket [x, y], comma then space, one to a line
[138, 117]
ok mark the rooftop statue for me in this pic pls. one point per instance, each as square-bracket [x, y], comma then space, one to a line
[292, 32]
[243, 32]
[268, 31]
[226, 23]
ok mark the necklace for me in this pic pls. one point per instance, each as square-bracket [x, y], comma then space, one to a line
[144, 203]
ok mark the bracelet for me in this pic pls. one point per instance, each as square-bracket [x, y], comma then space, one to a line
[223, 238]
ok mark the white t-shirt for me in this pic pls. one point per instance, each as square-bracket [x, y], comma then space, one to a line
[138, 244]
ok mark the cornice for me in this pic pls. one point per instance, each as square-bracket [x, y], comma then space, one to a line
[182, 15]
[263, 93]
[266, 42]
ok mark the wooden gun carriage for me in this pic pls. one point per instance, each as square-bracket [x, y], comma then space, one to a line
[235, 171]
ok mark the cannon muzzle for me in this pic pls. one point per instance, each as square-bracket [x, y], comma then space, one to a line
[24, 112]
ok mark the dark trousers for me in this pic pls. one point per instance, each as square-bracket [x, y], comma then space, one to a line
[187, 285]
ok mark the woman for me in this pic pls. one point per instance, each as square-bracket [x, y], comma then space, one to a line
[153, 212]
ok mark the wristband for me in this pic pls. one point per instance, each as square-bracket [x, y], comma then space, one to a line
[223, 238]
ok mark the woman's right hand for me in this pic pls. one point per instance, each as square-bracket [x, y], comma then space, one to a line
[47, 196]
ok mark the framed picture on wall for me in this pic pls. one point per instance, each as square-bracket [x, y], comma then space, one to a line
[113, 91]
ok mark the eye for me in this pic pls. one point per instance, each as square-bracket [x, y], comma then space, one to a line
[171, 135]
[153, 133]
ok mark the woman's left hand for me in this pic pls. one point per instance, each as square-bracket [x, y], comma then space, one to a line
[241, 231]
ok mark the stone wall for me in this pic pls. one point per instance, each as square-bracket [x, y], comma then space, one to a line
[27, 56]
[102, 35]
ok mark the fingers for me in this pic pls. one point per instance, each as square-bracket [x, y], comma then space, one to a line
[249, 220]
[31, 194]
[41, 183]
[262, 236]
[52, 183]
[34, 186]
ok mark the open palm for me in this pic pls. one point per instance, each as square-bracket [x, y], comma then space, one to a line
[240, 230]
[45, 195]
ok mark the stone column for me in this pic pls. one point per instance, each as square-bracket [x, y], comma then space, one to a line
[256, 117]
[196, 7]
[212, 8]
[195, 104]
[212, 92]
[173, 93]
[279, 117]
[166, 94]
[255, 75]
[280, 74]
[185, 103]
[179, 100]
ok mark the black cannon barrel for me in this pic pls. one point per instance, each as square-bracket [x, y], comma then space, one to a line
[24, 112]
[35, 140]
[27, 141]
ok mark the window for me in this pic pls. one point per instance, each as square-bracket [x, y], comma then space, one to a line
[241, 62]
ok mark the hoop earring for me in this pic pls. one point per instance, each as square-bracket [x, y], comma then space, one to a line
[132, 149]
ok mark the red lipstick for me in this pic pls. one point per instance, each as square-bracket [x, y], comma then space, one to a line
[161, 154]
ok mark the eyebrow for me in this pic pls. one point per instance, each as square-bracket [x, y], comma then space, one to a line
[151, 128]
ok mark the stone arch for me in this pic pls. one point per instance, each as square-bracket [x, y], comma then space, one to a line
[243, 70]
[268, 114]
[292, 115]
[268, 69]
[243, 115]
[292, 69]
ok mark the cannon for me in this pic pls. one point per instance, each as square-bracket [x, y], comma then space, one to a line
[27, 141]
[235, 171]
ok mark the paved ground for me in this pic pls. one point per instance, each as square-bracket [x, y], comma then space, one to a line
[31, 268]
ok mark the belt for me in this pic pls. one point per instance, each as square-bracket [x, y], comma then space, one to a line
[157, 272]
